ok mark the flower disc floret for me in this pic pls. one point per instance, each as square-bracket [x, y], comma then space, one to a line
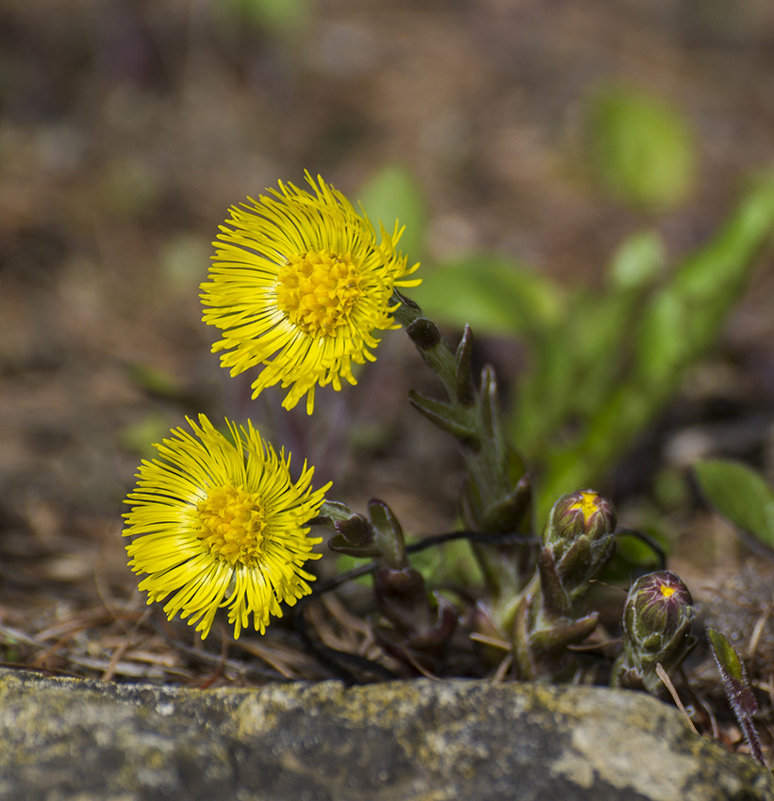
[318, 291]
[232, 525]
[217, 521]
[301, 286]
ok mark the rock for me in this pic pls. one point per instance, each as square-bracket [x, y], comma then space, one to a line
[78, 740]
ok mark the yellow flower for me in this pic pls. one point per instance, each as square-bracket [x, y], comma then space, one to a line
[218, 521]
[300, 286]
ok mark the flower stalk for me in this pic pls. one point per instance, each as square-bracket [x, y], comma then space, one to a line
[497, 494]
[548, 615]
[416, 624]
[534, 600]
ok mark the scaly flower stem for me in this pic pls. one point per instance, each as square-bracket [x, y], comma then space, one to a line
[433, 348]
[496, 495]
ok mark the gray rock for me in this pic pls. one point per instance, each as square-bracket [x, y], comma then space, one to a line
[76, 740]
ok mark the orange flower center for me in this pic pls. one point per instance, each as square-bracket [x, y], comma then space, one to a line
[232, 525]
[317, 291]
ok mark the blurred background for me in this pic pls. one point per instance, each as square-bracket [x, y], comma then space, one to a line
[540, 133]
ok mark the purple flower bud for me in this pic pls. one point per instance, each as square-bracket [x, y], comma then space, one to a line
[657, 623]
[583, 514]
[659, 608]
[579, 537]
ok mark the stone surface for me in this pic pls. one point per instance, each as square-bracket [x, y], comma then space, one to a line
[75, 740]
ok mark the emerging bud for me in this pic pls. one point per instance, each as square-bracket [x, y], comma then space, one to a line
[379, 535]
[424, 333]
[388, 534]
[657, 630]
[422, 623]
[579, 539]
[583, 514]
[354, 536]
[659, 608]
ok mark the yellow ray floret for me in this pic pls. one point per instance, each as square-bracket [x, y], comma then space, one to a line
[217, 521]
[300, 287]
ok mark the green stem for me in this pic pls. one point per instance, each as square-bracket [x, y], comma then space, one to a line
[433, 348]
[473, 415]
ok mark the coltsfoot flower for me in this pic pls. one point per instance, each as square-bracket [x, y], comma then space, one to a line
[217, 521]
[300, 286]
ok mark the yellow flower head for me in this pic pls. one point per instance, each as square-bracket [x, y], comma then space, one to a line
[218, 521]
[301, 286]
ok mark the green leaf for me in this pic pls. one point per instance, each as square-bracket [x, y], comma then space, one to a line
[641, 148]
[458, 422]
[452, 564]
[726, 655]
[670, 330]
[154, 380]
[579, 360]
[182, 259]
[492, 294]
[686, 314]
[140, 435]
[637, 261]
[279, 16]
[740, 696]
[394, 193]
[740, 495]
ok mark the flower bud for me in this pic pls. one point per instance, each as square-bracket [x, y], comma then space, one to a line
[422, 623]
[424, 333]
[582, 514]
[388, 534]
[659, 608]
[354, 537]
[657, 629]
[379, 535]
[579, 537]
